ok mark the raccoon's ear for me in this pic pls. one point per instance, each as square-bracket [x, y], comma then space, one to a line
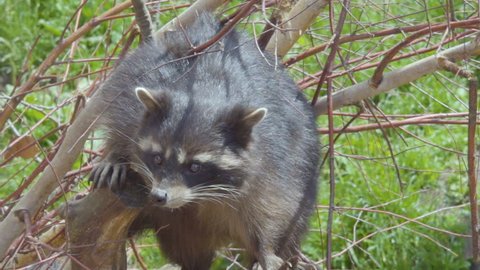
[146, 98]
[157, 103]
[240, 123]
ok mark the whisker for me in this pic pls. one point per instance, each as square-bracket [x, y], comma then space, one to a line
[118, 132]
[212, 197]
[142, 169]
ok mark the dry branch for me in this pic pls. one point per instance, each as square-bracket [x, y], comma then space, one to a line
[378, 74]
[50, 60]
[54, 237]
[472, 126]
[331, 144]
[400, 225]
[472, 177]
[313, 80]
[297, 21]
[11, 227]
[396, 78]
[394, 124]
[226, 29]
[189, 15]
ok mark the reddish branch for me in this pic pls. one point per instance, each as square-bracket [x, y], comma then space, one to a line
[32, 176]
[313, 79]
[331, 152]
[137, 254]
[378, 74]
[387, 32]
[436, 115]
[160, 10]
[335, 44]
[472, 178]
[472, 126]
[50, 60]
[384, 212]
[226, 29]
[394, 124]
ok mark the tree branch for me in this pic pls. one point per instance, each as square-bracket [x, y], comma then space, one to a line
[189, 15]
[49, 61]
[296, 22]
[97, 230]
[378, 74]
[396, 78]
[226, 29]
[75, 137]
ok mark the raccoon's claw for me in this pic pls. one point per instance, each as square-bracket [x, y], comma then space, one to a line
[108, 174]
[119, 174]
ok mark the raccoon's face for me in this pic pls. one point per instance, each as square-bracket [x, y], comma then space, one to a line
[195, 156]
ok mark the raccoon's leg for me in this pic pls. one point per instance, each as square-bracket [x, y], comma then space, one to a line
[267, 260]
[276, 263]
[111, 172]
[270, 252]
[188, 255]
[183, 241]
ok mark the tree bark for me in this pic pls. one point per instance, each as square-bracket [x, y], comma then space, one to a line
[11, 227]
[97, 226]
[300, 17]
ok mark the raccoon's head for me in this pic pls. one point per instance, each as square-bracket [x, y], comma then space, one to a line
[191, 152]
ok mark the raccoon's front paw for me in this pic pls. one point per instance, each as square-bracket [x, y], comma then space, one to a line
[109, 174]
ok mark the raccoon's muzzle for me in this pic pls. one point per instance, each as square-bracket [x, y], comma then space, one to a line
[159, 196]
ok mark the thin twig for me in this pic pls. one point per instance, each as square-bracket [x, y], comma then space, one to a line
[333, 51]
[48, 62]
[137, 254]
[225, 30]
[327, 70]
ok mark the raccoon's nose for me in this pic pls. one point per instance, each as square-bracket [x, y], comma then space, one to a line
[159, 196]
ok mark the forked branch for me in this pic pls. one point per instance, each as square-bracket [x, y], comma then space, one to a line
[398, 77]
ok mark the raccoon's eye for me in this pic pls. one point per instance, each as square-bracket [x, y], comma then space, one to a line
[157, 159]
[195, 167]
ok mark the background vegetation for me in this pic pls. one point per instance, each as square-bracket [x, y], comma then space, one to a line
[422, 223]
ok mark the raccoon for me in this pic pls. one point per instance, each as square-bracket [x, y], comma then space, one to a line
[223, 141]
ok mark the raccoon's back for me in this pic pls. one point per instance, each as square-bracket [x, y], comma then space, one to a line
[233, 71]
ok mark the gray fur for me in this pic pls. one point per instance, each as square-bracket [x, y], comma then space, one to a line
[263, 190]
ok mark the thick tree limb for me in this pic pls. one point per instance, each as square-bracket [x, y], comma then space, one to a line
[97, 230]
[54, 238]
[11, 227]
[396, 78]
[297, 21]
